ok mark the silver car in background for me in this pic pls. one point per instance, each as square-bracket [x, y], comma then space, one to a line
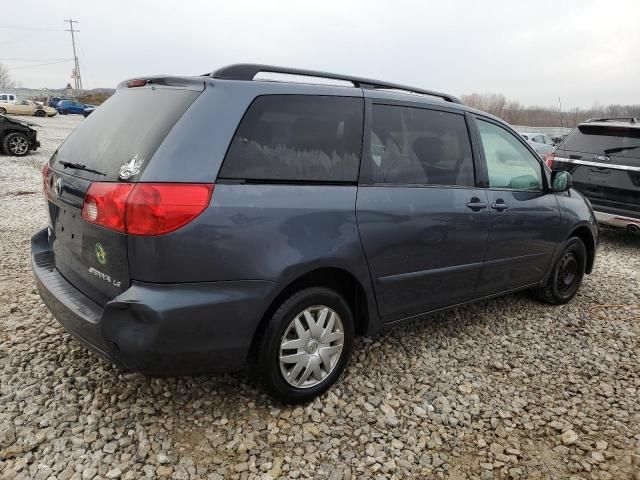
[540, 142]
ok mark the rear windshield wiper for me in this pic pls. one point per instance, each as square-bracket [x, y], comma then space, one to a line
[79, 166]
[620, 149]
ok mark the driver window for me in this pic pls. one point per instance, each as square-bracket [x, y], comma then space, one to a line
[509, 163]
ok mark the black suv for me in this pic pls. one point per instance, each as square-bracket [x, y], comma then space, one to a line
[202, 223]
[17, 137]
[603, 156]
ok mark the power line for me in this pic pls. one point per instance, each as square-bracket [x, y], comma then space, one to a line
[76, 72]
[39, 64]
[32, 59]
[31, 28]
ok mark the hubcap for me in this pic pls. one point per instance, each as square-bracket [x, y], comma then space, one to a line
[18, 145]
[311, 346]
[567, 272]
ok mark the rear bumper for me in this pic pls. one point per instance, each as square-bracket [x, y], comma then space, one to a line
[158, 329]
[621, 221]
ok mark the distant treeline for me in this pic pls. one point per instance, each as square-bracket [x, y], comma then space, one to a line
[516, 113]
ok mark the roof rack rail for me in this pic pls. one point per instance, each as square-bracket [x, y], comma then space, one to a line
[614, 119]
[247, 71]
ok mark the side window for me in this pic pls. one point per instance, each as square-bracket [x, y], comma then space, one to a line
[419, 146]
[297, 138]
[509, 163]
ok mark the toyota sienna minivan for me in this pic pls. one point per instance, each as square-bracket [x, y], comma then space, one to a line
[229, 220]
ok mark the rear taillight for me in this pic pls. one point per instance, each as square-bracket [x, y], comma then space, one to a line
[105, 204]
[549, 159]
[153, 209]
[46, 181]
[145, 208]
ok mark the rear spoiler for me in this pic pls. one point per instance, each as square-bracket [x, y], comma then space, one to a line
[184, 83]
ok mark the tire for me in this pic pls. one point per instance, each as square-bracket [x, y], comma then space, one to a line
[285, 380]
[3, 111]
[567, 274]
[40, 113]
[16, 144]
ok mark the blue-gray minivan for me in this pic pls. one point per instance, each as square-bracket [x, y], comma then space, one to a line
[247, 218]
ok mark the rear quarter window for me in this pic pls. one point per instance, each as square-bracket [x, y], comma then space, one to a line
[289, 138]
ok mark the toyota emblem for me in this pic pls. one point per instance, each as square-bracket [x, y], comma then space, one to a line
[57, 186]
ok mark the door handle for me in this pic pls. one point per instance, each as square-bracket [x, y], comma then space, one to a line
[476, 205]
[500, 206]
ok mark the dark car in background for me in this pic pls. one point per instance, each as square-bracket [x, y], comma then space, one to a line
[53, 101]
[72, 107]
[603, 157]
[17, 137]
[267, 223]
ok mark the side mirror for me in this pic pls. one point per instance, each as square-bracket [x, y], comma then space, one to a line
[560, 181]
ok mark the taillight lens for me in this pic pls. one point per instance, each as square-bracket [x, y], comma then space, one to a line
[46, 181]
[145, 208]
[105, 204]
[549, 159]
[154, 209]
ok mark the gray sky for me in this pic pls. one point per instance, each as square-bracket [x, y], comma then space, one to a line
[584, 51]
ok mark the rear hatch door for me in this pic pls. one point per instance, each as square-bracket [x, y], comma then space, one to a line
[604, 161]
[113, 144]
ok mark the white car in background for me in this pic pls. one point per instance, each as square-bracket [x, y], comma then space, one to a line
[7, 97]
[540, 142]
[26, 107]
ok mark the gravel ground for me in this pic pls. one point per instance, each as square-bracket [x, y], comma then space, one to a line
[504, 389]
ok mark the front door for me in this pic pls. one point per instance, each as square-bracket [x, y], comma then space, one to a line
[524, 216]
[422, 221]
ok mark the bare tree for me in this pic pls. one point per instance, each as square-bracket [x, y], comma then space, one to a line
[5, 78]
[517, 114]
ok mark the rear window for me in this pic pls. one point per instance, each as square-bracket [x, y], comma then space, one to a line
[607, 140]
[291, 138]
[123, 133]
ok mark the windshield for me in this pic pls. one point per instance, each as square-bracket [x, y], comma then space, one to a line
[124, 132]
[599, 139]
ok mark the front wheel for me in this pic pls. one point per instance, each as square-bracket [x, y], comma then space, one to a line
[305, 346]
[16, 144]
[567, 274]
[3, 111]
[40, 113]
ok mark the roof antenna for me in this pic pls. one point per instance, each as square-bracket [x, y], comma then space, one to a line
[561, 122]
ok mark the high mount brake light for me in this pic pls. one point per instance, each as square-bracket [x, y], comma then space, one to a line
[136, 82]
[145, 208]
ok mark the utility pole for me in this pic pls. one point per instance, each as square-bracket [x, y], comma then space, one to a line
[76, 71]
[561, 122]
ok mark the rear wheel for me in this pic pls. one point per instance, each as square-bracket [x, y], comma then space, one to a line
[16, 144]
[567, 274]
[3, 111]
[305, 345]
